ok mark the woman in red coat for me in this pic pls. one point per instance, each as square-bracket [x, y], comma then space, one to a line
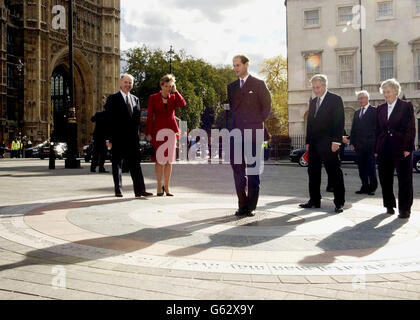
[162, 129]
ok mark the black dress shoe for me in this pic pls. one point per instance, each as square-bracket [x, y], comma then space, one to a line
[390, 211]
[118, 195]
[250, 214]
[310, 205]
[404, 214]
[143, 194]
[371, 193]
[242, 212]
[360, 192]
[339, 209]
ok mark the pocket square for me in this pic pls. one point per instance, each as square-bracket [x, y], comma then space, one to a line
[251, 92]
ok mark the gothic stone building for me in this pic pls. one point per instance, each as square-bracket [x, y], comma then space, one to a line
[34, 67]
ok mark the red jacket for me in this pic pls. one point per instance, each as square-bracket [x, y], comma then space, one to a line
[159, 117]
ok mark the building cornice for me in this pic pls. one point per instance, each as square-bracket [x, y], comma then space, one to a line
[307, 53]
[386, 43]
[414, 42]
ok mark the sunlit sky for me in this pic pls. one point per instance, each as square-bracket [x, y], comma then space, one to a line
[214, 30]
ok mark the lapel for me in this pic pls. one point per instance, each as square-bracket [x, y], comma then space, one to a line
[321, 107]
[237, 94]
[122, 100]
[384, 114]
[248, 82]
[323, 101]
[394, 113]
[124, 104]
[364, 115]
[242, 93]
[371, 110]
[312, 108]
[133, 103]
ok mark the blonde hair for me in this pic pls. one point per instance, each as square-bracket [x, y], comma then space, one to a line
[391, 83]
[167, 78]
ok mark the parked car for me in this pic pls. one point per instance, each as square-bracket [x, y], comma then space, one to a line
[145, 148]
[88, 150]
[42, 150]
[297, 156]
[416, 160]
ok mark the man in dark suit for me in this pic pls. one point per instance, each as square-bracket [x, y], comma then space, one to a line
[395, 136]
[250, 105]
[324, 136]
[123, 117]
[362, 139]
[99, 144]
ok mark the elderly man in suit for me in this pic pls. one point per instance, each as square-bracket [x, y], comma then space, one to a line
[395, 136]
[250, 105]
[123, 117]
[324, 135]
[362, 139]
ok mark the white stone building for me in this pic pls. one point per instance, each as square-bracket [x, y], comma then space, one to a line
[323, 37]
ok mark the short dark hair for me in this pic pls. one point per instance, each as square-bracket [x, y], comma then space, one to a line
[244, 58]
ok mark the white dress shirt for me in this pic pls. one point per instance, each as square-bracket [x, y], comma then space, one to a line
[391, 107]
[246, 78]
[129, 98]
[364, 109]
[323, 97]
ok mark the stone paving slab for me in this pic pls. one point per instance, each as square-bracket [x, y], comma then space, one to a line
[111, 248]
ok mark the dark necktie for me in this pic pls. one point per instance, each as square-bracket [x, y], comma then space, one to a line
[242, 83]
[362, 112]
[318, 104]
[127, 101]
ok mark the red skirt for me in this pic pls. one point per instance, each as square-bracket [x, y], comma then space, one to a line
[165, 151]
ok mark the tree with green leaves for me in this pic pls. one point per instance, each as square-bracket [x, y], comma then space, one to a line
[202, 85]
[275, 73]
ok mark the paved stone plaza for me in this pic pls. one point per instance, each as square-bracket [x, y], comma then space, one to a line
[64, 228]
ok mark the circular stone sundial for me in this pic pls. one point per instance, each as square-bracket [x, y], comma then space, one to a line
[202, 234]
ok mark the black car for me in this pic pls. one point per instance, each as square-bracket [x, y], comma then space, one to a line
[416, 162]
[296, 156]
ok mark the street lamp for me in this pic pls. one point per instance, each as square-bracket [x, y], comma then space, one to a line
[226, 107]
[170, 52]
[71, 161]
[20, 68]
